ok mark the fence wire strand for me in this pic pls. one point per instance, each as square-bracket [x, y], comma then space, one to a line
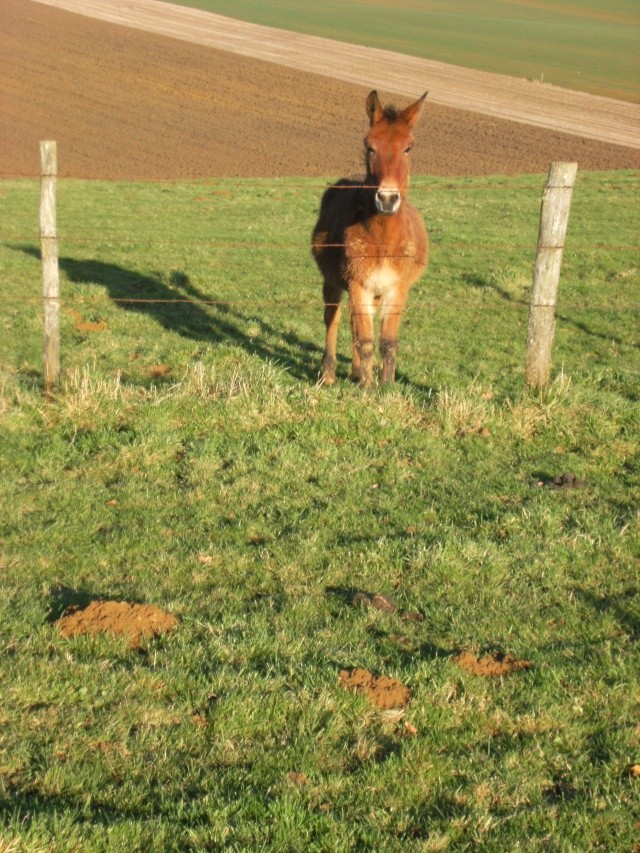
[481, 304]
[300, 247]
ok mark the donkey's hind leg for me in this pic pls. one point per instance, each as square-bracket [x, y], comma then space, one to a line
[332, 296]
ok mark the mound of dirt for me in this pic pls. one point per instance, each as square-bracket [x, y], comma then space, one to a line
[378, 601]
[568, 480]
[381, 691]
[121, 618]
[491, 666]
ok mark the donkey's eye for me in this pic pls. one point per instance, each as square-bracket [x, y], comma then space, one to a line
[370, 151]
[409, 149]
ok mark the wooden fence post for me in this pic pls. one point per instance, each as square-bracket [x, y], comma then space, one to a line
[554, 216]
[50, 271]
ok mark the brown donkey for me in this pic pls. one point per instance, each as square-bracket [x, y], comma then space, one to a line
[372, 243]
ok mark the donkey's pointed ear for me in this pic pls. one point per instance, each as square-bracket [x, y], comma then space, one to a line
[374, 107]
[411, 114]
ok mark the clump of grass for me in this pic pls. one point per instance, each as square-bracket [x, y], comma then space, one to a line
[464, 412]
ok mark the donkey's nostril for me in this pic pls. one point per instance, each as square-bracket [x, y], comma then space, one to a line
[387, 201]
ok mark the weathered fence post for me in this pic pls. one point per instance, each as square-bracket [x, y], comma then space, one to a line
[50, 271]
[554, 216]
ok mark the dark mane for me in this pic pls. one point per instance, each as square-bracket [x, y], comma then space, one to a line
[390, 113]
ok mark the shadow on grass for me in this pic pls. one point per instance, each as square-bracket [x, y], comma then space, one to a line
[26, 805]
[483, 283]
[63, 597]
[619, 606]
[437, 809]
[30, 804]
[180, 307]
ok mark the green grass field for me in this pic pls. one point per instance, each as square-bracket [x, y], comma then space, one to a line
[593, 46]
[190, 461]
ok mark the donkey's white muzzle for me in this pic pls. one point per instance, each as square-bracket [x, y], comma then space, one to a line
[388, 201]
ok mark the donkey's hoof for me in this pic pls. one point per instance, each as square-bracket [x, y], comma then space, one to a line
[327, 378]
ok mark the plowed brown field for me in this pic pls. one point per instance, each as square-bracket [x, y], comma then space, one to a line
[126, 104]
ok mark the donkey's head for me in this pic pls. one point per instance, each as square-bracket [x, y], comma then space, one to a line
[387, 149]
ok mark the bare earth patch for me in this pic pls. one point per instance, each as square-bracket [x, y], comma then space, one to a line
[125, 104]
[499, 95]
[568, 480]
[491, 666]
[381, 690]
[120, 618]
[158, 371]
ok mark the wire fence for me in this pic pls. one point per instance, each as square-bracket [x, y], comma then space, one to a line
[302, 256]
[243, 245]
[298, 185]
[96, 300]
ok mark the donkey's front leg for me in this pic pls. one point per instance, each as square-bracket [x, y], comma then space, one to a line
[391, 313]
[388, 352]
[361, 308]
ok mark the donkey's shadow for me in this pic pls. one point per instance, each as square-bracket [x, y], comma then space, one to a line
[180, 307]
